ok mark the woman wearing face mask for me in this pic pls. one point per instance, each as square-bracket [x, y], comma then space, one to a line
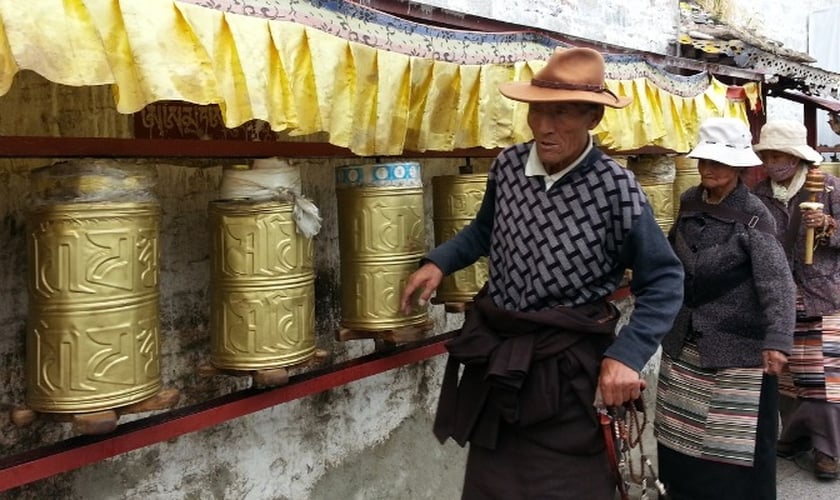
[810, 387]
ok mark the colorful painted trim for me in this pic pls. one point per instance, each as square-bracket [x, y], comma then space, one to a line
[383, 31]
[406, 174]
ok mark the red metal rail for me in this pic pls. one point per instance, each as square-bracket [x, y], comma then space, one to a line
[75, 147]
[79, 451]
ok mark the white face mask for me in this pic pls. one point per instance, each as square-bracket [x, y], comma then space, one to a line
[782, 170]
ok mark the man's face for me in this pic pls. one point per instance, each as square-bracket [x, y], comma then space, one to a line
[561, 130]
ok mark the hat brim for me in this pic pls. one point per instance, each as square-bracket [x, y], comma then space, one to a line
[803, 152]
[740, 158]
[525, 92]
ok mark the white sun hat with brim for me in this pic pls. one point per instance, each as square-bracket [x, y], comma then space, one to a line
[727, 141]
[787, 136]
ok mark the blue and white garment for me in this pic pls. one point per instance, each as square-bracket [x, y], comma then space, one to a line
[570, 244]
[559, 246]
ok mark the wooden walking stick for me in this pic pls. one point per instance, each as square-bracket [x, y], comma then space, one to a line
[814, 184]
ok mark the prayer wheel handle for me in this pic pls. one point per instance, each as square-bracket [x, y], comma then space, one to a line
[814, 184]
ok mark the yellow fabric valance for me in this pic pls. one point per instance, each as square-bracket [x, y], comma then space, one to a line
[303, 81]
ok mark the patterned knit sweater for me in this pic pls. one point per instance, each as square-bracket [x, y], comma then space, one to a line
[570, 245]
[559, 247]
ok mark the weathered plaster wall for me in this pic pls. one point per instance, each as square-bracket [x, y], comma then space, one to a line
[648, 25]
[777, 20]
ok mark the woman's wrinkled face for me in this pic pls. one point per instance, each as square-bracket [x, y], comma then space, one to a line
[779, 166]
[716, 176]
[561, 130]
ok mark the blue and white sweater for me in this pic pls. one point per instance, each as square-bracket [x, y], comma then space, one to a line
[569, 245]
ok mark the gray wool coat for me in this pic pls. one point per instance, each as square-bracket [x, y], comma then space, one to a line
[739, 291]
[819, 282]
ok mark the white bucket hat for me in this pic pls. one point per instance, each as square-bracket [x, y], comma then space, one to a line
[727, 141]
[787, 136]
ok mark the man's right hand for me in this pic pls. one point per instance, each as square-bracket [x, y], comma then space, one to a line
[428, 277]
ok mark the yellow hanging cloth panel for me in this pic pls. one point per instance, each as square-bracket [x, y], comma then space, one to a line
[238, 49]
[392, 101]
[303, 81]
[57, 39]
[466, 132]
[658, 118]
[297, 77]
[431, 85]
[170, 59]
[358, 122]
[8, 66]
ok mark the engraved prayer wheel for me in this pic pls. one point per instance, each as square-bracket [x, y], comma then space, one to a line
[381, 232]
[621, 160]
[686, 175]
[263, 286]
[457, 199]
[656, 176]
[92, 339]
[831, 167]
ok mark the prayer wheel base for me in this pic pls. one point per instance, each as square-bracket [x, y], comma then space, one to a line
[399, 335]
[454, 307]
[268, 377]
[97, 422]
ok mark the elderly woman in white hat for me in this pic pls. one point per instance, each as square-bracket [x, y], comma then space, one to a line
[717, 398]
[811, 402]
[560, 221]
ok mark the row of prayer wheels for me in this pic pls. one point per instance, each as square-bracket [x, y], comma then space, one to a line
[382, 238]
[93, 337]
[664, 179]
[93, 340]
[831, 167]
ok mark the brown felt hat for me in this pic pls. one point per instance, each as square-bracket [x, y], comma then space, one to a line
[575, 74]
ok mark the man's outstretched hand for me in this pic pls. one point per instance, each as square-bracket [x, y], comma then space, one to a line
[427, 278]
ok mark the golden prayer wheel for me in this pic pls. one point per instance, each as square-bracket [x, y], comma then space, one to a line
[92, 340]
[830, 167]
[381, 233]
[621, 160]
[686, 175]
[656, 176]
[263, 286]
[457, 199]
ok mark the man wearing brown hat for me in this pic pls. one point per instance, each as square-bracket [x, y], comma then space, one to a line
[560, 221]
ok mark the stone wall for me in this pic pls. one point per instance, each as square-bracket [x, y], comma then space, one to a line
[649, 25]
[780, 22]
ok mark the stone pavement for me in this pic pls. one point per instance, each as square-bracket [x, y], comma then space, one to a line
[796, 481]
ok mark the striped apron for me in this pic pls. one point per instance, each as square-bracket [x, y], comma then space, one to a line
[813, 370]
[710, 414]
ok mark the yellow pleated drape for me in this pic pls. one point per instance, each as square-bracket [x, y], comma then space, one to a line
[304, 81]
[658, 118]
